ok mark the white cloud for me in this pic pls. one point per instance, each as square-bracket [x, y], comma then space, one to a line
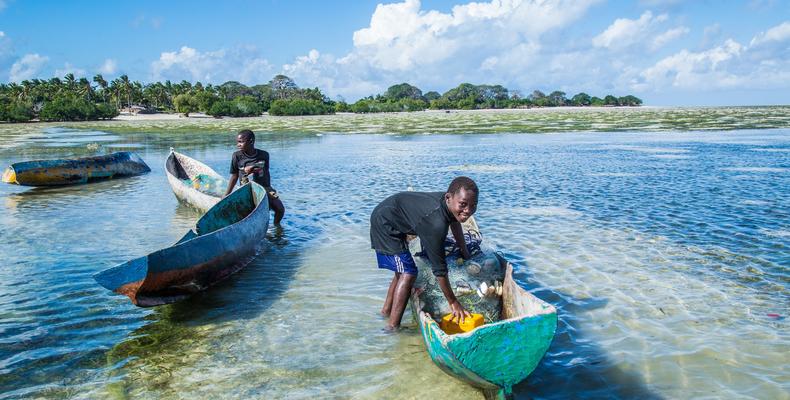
[669, 36]
[476, 42]
[212, 66]
[779, 33]
[27, 67]
[108, 67]
[69, 69]
[624, 32]
[763, 64]
[688, 69]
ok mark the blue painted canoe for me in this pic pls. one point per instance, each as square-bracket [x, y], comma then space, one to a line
[223, 241]
[77, 170]
[193, 182]
[495, 356]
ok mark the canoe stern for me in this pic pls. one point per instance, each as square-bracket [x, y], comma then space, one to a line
[125, 278]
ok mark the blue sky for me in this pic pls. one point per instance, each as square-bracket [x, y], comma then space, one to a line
[668, 52]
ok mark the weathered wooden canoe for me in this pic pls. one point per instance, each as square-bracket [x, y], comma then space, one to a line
[77, 170]
[193, 182]
[223, 241]
[498, 355]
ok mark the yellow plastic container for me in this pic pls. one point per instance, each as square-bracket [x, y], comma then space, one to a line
[451, 327]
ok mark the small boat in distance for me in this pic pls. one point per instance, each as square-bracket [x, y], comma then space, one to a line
[223, 241]
[495, 356]
[193, 182]
[76, 170]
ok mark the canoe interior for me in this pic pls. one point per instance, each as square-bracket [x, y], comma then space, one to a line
[230, 210]
[195, 175]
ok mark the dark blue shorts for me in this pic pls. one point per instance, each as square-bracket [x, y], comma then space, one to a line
[403, 262]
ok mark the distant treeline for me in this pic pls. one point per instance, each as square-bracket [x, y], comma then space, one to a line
[72, 99]
[405, 97]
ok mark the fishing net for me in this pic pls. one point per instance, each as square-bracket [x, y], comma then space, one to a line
[466, 278]
[207, 184]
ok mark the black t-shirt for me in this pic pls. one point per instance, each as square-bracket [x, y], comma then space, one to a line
[241, 160]
[413, 213]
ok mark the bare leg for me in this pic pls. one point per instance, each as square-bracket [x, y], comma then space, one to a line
[279, 209]
[385, 311]
[400, 299]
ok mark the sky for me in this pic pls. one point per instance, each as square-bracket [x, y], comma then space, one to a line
[667, 52]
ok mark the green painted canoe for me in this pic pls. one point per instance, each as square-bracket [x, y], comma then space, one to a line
[496, 356]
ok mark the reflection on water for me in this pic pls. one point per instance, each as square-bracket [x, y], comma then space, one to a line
[667, 272]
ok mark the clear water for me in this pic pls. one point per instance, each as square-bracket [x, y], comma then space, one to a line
[666, 253]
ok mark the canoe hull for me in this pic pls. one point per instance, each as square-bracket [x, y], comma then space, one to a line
[495, 356]
[196, 262]
[75, 171]
[179, 167]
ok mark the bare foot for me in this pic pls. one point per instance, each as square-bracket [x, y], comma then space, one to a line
[385, 313]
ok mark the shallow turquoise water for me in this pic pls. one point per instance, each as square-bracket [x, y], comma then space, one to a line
[665, 253]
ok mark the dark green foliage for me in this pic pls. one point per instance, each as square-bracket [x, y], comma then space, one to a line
[403, 91]
[15, 110]
[342, 106]
[243, 106]
[610, 100]
[300, 107]
[72, 108]
[370, 105]
[431, 96]
[581, 99]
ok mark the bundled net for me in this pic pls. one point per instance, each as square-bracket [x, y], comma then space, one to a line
[467, 278]
[207, 184]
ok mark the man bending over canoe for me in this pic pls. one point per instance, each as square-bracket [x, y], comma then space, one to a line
[252, 162]
[428, 216]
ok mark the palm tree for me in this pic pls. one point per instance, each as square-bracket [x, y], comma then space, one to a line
[70, 81]
[126, 84]
[102, 84]
[86, 89]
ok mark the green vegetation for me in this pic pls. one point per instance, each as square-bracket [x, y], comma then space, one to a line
[405, 97]
[72, 99]
[69, 99]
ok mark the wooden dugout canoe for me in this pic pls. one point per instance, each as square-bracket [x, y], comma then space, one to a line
[193, 182]
[223, 241]
[496, 356]
[77, 170]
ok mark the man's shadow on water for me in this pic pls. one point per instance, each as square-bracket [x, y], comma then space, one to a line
[560, 374]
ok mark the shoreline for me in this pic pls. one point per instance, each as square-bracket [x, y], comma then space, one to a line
[203, 117]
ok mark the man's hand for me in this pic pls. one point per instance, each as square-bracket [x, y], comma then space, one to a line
[250, 168]
[459, 313]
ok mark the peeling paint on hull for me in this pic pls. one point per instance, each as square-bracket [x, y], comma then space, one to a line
[223, 242]
[75, 171]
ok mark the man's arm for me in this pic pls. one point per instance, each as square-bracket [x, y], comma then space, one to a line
[231, 183]
[458, 234]
[433, 244]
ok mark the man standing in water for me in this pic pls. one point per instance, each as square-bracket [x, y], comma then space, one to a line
[252, 162]
[428, 216]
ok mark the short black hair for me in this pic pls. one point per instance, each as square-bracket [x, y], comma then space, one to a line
[463, 182]
[247, 134]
